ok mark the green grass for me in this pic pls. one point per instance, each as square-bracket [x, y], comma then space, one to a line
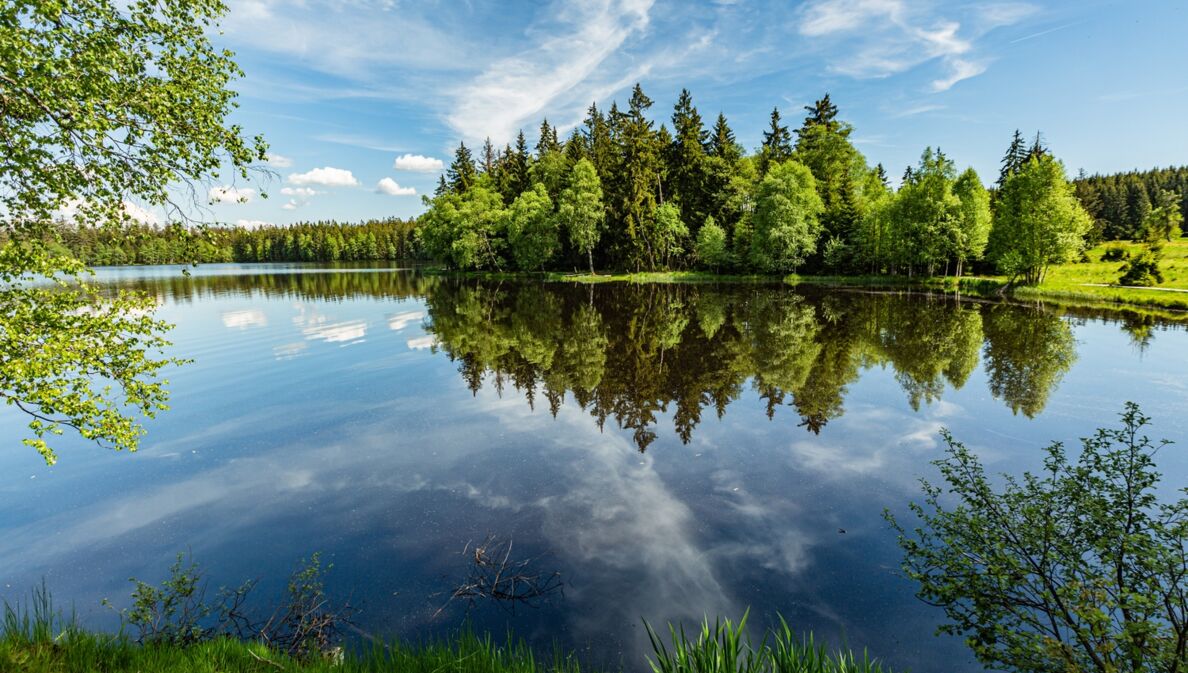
[725, 648]
[1074, 284]
[36, 639]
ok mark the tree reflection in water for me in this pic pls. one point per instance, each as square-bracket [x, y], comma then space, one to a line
[632, 352]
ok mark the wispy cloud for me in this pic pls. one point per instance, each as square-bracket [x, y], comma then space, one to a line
[565, 60]
[879, 38]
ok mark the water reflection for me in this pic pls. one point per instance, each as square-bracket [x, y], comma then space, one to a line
[463, 409]
[632, 352]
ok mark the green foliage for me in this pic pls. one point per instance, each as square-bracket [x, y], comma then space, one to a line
[663, 237]
[532, 229]
[786, 224]
[73, 357]
[1077, 568]
[1115, 253]
[91, 92]
[581, 210]
[1142, 269]
[710, 248]
[1038, 221]
[465, 229]
[726, 648]
[974, 220]
[1119, 204]
[173, 613]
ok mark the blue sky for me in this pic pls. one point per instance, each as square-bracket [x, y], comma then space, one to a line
[358, 98]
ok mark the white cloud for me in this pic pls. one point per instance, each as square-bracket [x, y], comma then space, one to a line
[326, 177]
[878, 38]
[140, 214]
[392, 188]
[252, 224]
[293, 204]
[279, 161]
[514, 90]
[230, 194]
[304, 192]
[831, 16]
[959, 69]
[417, 163]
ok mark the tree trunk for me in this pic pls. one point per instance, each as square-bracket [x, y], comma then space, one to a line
[590, 256]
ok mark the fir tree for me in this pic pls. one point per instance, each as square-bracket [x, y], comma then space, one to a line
[722, 143]
[548, 141]
[777, 143]
[490, 157]
[1015, 155]
[462, 172]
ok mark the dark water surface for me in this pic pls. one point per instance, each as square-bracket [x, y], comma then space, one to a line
[672, 450]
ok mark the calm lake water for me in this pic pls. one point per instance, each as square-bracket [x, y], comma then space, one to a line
[671, 450]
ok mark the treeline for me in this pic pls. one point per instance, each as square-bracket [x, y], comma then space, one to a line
[621, 193]
[323, 241]
[1120, 204]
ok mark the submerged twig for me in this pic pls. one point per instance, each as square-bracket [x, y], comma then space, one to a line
[496, 576]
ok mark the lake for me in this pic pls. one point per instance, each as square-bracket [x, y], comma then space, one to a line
[672, 451]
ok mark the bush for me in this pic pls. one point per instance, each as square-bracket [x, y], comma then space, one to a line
[1142, 270]
[1115, 253]
[1077, 568]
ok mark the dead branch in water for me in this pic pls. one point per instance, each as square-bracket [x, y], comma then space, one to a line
[495, 575]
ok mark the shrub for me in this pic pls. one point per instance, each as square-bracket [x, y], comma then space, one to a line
[1142, 269]
[1115, 253]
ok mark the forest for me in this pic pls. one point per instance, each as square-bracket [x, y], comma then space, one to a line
[326, 241]
[621, 193]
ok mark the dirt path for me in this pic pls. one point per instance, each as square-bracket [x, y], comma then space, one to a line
[1135, 287]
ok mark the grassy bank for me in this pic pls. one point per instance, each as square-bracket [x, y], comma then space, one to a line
[42, 642]
[1087, 284]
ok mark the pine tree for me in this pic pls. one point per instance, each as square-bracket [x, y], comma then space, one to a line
[462, 173]
[518, 168]
[687, 165]
[722, 143]
[490, 158]
[881, 175]
[548, 141]
[777, 143]
[1015, 155]
[641, 177]
[822, 113]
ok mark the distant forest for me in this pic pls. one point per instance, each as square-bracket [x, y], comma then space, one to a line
[325, 241]
[1120, 203]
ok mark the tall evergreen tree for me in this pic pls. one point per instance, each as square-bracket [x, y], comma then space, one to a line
[777, 143]
[490, 158]
[1015, 155]
[462, 172]
[722, 142]
[688, 169]
[641, 177]
[547, 140]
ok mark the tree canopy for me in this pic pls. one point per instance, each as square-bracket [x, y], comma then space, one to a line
[106, 107]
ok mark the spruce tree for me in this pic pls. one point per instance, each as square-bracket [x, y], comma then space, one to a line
[462, 172]
[1015, 155]
[722, 143]
[777, 143]
[490, 157]
[548, 141]
[687, 165]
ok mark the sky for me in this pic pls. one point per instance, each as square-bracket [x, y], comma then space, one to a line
[364, 101]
